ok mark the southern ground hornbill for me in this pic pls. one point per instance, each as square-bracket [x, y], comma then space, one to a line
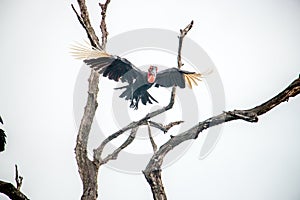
[120, 69]
[2, 137]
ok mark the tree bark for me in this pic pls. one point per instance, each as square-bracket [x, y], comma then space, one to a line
[89, 176]
[11, 191]
[88, 169]
[154, 180]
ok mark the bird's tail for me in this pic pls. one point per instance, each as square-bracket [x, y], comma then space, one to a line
[192, 78]
[146, 97]
[122, 87]
[135, 96]
[86, 51]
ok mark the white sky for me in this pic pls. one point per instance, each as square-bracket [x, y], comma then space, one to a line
[253, 44]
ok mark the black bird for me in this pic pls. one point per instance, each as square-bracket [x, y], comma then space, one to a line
[2, 137]
[117, 68]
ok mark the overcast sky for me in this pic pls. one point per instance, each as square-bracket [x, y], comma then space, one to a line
[254, 46]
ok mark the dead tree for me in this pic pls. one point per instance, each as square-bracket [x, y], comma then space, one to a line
[88, 169]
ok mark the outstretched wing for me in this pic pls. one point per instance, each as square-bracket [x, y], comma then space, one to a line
[115, 68]
[176, 77]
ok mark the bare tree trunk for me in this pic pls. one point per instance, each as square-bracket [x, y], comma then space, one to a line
[156, 184]
[88, 169]
[89, 179]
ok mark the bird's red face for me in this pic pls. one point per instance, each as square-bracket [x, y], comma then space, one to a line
[152, 71]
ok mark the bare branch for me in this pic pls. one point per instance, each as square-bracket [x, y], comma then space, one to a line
[86, 24]
[115, 154]
[153, 169]
[10, 190]
[13, 193]
[83, 25]
[18, 179]
[103, 24]
[99, 150]
[164, 128]
[154, 146]
[181, 37]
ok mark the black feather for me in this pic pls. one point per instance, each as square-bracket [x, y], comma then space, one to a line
[171, 77]
[2, 140]
[115, 68]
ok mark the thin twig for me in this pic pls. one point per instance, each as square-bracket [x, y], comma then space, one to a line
[83, 25]
[18, 179]
[164, 128]
[154, 146]
[86, 24]
[99, 150]
[103, 26]
[116, 152]
[181, 37]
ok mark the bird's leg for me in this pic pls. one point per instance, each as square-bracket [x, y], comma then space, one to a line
[136, 106]
[131, 104]
[134, 103]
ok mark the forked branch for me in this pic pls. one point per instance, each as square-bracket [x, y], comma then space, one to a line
[153, 169]
[125, 144]
[18, 179]
[10, 190]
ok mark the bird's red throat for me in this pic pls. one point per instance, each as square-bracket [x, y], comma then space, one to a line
[151, 78]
